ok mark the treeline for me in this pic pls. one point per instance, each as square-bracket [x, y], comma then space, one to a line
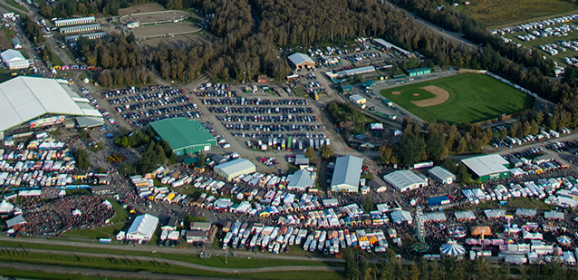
[154, 154]
[68, 8]
[357, 266]
[33, 31]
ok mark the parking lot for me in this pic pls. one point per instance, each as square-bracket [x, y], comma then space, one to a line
[140, 106]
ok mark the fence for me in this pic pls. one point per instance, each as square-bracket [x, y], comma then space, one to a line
[152, 13]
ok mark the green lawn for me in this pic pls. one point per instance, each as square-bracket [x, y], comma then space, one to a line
[8, 272]
[503, 13]
[54, 59]
[18, 7]
[120, 214]
[473, 98]
[525, 202]
[96, 233]
[215, 261]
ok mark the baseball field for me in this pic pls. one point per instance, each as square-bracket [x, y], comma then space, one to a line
[463, 98]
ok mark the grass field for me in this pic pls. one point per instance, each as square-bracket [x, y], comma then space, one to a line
[535, 44]
[503, 13]
[472, 98]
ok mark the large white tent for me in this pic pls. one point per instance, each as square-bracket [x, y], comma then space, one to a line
[143, 228]
[14, 59]
[23, 99]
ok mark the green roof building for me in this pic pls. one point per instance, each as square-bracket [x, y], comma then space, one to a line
[185, 136]
[418, 71]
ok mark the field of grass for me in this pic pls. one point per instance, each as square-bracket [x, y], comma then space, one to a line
[503, 13]
[535, 44]
[120, 214]
[96, 233]
[473, 98]
[16, 6]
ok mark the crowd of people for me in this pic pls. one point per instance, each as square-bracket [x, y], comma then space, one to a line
[75, 212]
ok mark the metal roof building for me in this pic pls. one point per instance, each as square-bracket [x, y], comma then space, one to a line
[357, 99]
[74, 21]
[346, 174]
[25, 100]
[388, 45]
[404, 180]
[14, 59]
[235, 168]
[356, 71]
[301, 61]
[143, 228]
[80, 28]
[488, 167]
[442, 175]
[185, 136]
[301, 180]
[89, 36]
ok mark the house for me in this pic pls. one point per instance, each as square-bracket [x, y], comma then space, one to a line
[262, 79]
[194, 236]
[170, 224]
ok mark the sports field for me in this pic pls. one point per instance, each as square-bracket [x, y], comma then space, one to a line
[463, 98]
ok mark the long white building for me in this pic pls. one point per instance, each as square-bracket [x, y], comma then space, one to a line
[79, 28]
[347, 174]
[74, 21]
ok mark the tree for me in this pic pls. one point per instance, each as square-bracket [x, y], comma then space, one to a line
[385, 153]
[327, 152]
[463, 175]
[435, 146]
[410, 149]
[351, 267]
[415, 273]
[368, 204]
[127, 169]
[82, 159]
[202, 160]
[503, 133]
[450, 165]
[310, 153]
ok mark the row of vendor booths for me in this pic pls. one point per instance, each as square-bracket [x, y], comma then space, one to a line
[276, 239]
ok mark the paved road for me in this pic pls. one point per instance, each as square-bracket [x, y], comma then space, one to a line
[179, 263]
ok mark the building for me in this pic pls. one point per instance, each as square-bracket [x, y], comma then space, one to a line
[194, 236]
[74, 21]
[301, 180]
[89, 36]
[80, 28]
[442, 175]
[185, 136]
[16, 42]
[488, 167]
[418, 71]
[170, 224]
[355, 71]
[202, 226]
[101, 189]
[357, 99]
[262, 79]
[301, 61]
[405, 180]
[14, 59]
[132, 25]
[28, 104]
[389, 46]
[301, 161]
[16, 223]
[346, 174]
[235, 168]
[143, 228]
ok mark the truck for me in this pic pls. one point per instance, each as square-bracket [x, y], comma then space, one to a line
[301, 144]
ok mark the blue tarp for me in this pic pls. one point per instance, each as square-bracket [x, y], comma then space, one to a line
[438, 200]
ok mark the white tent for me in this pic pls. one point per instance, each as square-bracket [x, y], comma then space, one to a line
[143, 228]
[533, 235]
[526, 212]
[400, 216]
[564, 240]
[6, 207]
[376, 126]
[452, 249]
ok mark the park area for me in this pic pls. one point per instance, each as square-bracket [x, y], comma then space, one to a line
[502, 13]
[459, 99]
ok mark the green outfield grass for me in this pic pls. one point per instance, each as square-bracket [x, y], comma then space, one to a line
[473, 98]
[504, 13]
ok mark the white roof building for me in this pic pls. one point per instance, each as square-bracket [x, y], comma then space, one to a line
[404, 180]
[302, 180]
[401, 216]
[143, 228]
[488, 167]
[442, 175]
[14, 59]
[235, 168]
[24, 99]
[6, 207]
[357, 99]
[300, 60]
[346, 174]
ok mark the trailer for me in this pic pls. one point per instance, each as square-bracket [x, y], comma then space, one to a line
[300, 144]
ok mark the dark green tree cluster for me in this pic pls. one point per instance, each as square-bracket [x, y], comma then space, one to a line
[81, 159]
[152, 156]
[134, 139]
[68, 8]
[33, 30]
[127, 169]
[326, 152]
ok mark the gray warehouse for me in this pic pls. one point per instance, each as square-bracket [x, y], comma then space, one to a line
[80, 28]
[346, 174]
[442, 175]
[232, 169]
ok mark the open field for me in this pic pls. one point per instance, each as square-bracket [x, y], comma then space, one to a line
[167, 29]
[502, 13]
[151, 18]
[472, 98]
[144, 8]
[96, 233]
[535, 44]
